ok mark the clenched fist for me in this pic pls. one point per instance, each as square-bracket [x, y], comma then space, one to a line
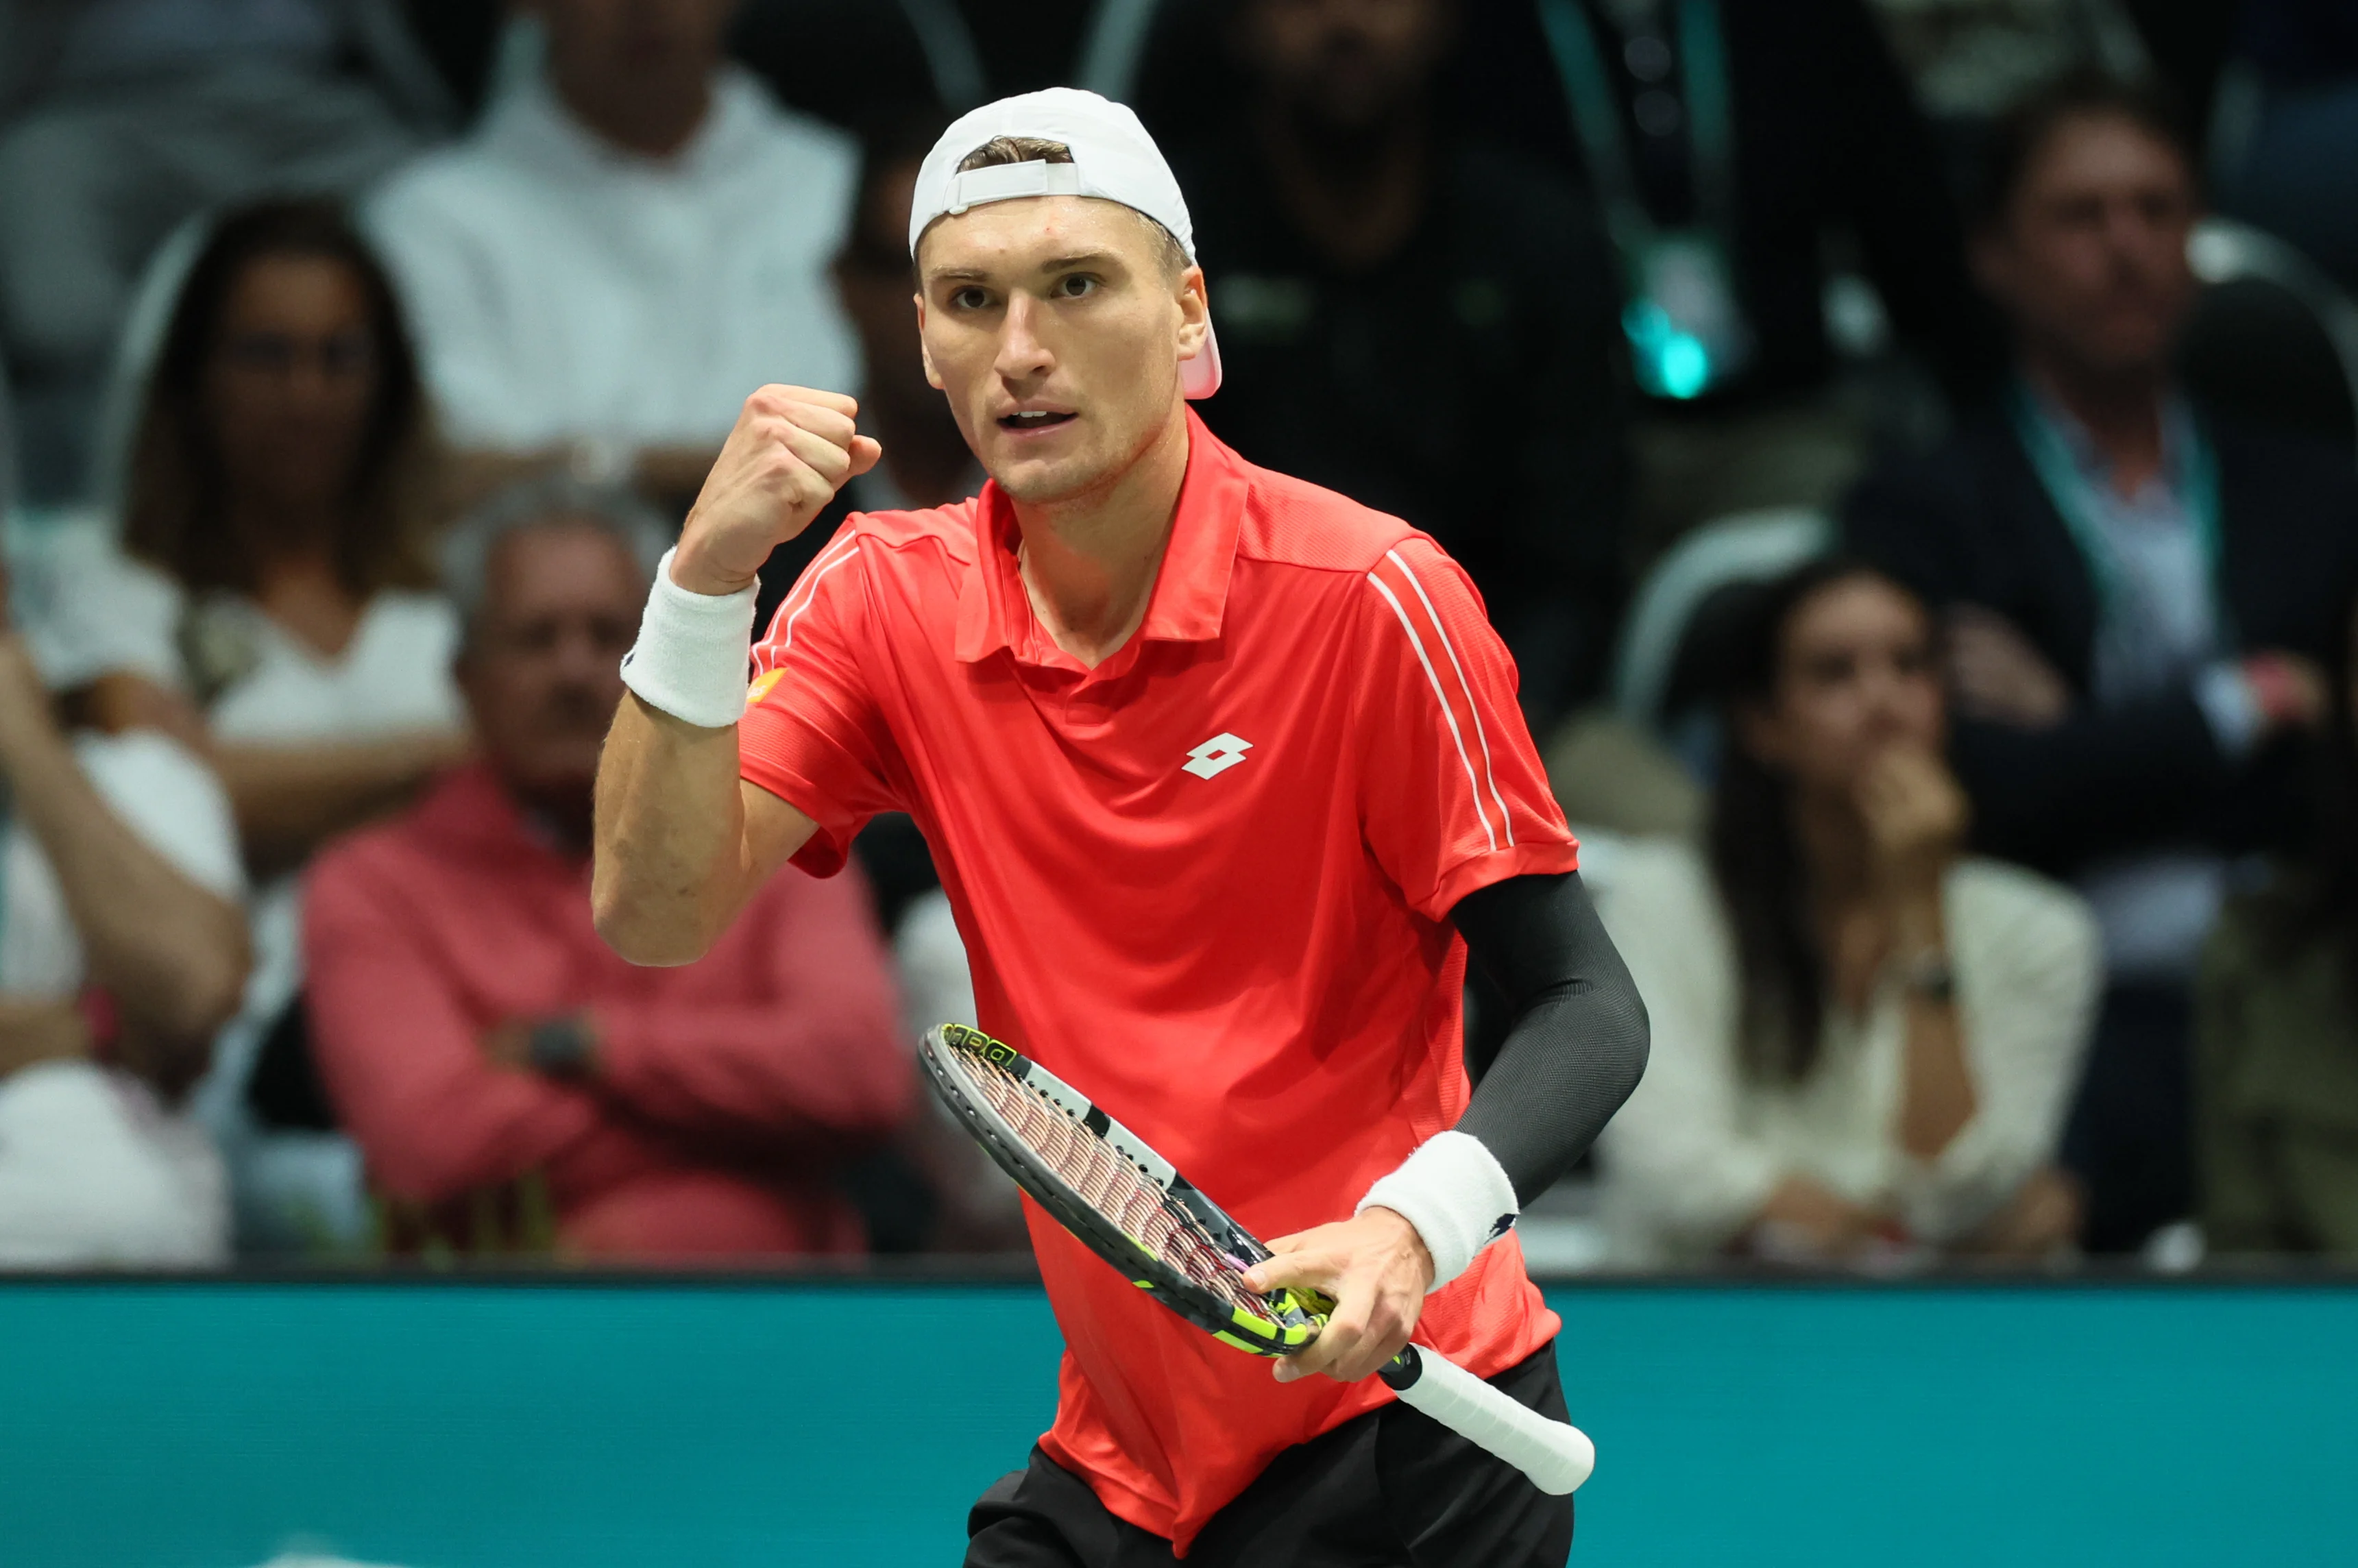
[793, 449]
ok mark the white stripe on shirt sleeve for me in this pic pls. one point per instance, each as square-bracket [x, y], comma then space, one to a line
[1441, 697]
[810, 576]
[1505, 818]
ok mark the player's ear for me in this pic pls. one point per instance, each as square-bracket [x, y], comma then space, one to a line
[1195, 312]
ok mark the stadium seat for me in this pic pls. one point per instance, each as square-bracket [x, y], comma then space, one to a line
[2273, 342]
[1655, 645]
[142, 339]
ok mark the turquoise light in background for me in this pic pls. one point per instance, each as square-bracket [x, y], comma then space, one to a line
[591, 1426]
[1683, 366]
[1669, 362]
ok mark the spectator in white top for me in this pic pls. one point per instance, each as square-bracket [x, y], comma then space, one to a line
[122, 949]
[284, 480]
[282, 492]
[636, 238]
[1863, 1040]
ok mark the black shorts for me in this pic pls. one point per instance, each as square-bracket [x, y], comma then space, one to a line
[1392, 1487]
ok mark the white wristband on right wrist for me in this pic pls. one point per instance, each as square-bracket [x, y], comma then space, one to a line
[1456, 1194]
[691, 658]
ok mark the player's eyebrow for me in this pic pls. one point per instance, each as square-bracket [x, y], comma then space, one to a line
[1085, 258]
[1052, 264]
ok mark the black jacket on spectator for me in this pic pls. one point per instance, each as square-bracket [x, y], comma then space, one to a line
[1473, 384]
[1969, 524]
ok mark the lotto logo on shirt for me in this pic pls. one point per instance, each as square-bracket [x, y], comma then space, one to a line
[761, 687]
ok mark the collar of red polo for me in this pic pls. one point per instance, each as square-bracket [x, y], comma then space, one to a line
[1191, 589]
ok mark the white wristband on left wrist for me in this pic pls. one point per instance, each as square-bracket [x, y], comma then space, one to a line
[1456, 1194]
[691, 658]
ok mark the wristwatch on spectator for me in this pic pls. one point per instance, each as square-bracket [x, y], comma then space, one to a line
[562, 1048]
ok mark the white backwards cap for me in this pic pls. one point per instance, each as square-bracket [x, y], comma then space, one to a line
[1113, 159]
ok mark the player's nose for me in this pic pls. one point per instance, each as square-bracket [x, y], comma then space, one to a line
[1023, 354]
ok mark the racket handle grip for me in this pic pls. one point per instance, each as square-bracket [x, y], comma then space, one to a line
[1555, 1454]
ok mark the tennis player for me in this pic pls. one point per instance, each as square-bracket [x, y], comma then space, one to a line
[1225, 775]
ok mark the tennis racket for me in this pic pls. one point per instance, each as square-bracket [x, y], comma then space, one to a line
[1108, 1187]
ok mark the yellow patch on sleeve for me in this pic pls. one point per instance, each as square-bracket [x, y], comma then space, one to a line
[761, 687]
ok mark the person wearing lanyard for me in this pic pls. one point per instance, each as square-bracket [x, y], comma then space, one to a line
[2136, 595]
[1422, 319]
[1722, 143]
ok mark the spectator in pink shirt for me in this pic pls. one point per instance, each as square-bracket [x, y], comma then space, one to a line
[511, 1083]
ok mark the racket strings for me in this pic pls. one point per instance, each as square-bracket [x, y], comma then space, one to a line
[1116, 1188]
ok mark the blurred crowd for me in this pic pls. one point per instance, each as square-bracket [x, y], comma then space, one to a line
[1910, 448]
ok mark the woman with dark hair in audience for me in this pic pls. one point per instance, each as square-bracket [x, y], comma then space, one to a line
[1864, 1039]
[283, 475]
[283, 481]
[2276, 1029]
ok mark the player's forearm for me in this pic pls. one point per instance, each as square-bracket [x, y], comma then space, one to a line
[671, 868]
[1580, 1038]
[1576, 1053]
[1571, 1060]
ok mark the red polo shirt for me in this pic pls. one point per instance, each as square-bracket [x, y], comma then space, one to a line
[1207, 883]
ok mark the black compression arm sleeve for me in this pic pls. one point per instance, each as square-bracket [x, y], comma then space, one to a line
[1578, 1044]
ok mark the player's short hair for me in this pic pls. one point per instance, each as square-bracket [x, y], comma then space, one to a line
[2022, 134]
[1037, 149]
[544, 501]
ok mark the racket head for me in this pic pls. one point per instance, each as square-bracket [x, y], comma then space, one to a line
[1146, 1219]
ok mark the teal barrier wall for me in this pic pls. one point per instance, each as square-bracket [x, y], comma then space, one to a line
[209, 1426]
